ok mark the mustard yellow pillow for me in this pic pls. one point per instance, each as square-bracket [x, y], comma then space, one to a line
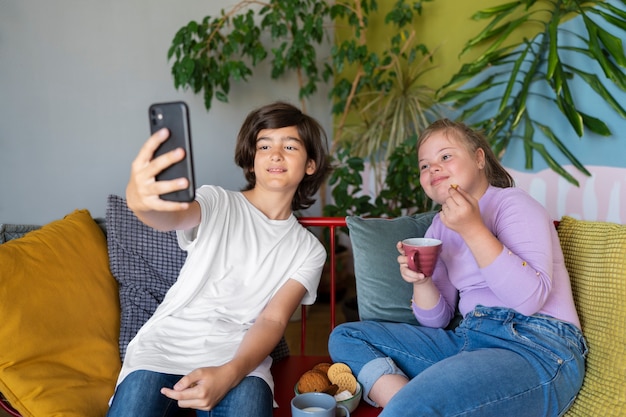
[59, 309]
[595, 256]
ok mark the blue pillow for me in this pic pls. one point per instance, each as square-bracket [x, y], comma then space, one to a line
[382, 294]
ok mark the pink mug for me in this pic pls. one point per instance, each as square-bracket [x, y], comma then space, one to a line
[422, 254]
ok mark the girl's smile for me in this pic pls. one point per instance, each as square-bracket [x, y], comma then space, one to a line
[445, 161]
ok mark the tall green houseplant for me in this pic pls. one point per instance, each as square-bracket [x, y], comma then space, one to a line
[210, 54]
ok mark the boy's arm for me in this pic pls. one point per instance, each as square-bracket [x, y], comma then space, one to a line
[143, 190]
[268, 329]
[203, 388]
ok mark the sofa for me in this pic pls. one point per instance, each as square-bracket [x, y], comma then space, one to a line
[73, 292]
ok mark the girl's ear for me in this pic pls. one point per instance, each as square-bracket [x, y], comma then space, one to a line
[480, 158]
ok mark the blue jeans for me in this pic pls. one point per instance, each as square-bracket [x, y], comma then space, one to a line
[496, 363]
[139, 396]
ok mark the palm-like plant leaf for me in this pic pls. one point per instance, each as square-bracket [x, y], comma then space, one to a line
[542, 68]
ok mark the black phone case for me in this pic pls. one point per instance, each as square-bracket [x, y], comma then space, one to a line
[175, 117]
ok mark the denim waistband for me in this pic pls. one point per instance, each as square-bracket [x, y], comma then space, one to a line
[508, 315]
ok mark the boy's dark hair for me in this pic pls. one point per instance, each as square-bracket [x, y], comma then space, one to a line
[275, 116]
[496, 174]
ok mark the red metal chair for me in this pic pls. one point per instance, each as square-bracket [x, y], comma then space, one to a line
[6, 407]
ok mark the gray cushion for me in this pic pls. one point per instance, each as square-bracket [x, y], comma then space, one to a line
[145, 263]
[382, 294]
[14, 231]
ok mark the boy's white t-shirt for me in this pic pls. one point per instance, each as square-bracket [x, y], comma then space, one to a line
[237, 260]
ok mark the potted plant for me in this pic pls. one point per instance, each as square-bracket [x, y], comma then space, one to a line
[210, 54]
[401, 193]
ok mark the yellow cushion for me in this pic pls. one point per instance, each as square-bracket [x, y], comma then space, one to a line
[59, 309]
[595, 256]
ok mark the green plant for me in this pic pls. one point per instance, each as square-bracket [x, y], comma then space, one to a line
[401, 192]
[542, 68]
[376, 95]
[210, 54]
[378, 99]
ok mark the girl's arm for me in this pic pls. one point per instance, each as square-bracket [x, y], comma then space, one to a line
[521, 274]
[516, 257]
[461, 213]
[434, 300]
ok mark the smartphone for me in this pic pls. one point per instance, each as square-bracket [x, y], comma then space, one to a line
[175, 117]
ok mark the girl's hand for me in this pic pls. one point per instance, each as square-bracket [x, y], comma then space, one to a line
[408, 274]
[425, 292]
[460, 212]
[201, 389]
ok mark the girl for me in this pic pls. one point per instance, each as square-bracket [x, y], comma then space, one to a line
[249, 265]
[519, 350]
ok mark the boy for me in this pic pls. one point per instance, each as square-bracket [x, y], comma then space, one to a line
[249, 265]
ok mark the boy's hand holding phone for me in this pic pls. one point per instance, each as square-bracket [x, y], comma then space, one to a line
[162, 177]
[143, 192]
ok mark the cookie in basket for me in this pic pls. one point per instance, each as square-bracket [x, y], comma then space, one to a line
[323, 367]
[346, 382]
[337, 368]
[313, 381]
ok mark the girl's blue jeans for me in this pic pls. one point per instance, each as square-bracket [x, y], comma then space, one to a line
[496, 363]
[139, 396]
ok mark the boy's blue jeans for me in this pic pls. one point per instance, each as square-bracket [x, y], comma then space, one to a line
[496, 363]
[139, 396]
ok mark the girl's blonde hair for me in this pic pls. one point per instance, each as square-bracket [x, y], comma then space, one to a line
[496, 174]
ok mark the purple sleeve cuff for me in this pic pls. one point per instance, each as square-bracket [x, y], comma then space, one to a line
[438, 316]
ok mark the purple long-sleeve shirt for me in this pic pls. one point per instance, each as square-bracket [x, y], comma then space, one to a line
[528, 276]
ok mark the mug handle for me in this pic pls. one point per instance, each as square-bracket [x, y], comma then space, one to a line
[345, 409]
[414, 262]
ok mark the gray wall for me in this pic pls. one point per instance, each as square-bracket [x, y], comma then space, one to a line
[76, 79]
